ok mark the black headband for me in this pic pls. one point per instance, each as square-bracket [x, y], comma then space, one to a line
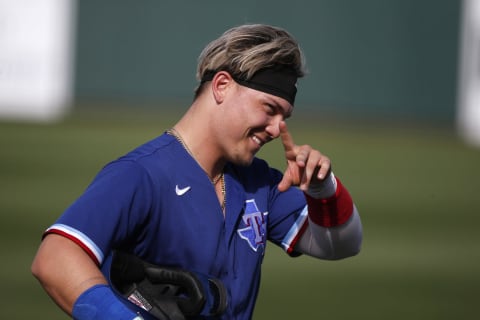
[278, 80]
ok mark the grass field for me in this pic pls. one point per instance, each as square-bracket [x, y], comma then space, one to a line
[416, 187]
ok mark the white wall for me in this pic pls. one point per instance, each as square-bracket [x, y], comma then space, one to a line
[36, 58]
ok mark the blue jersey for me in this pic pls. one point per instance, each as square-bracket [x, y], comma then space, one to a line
[157, 203]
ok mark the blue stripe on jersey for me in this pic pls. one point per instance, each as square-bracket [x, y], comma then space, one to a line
[293, 232]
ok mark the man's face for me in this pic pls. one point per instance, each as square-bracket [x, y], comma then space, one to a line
[251, 119]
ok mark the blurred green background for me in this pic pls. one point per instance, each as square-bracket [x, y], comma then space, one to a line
[367, 58]
[379, 100]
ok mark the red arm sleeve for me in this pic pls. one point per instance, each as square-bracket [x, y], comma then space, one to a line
[332, 211]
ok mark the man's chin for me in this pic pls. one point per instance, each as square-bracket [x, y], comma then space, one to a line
[244, 162]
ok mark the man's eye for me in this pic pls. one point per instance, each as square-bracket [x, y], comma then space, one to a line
[270, 109]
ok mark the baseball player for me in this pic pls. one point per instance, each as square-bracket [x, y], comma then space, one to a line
[194, 205]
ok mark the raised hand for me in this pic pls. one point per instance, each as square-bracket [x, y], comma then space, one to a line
[305, 165]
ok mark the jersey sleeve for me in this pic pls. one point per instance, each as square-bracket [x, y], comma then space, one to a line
[288, 214]
[110, 210]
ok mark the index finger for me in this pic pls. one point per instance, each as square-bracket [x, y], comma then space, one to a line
[286, 137]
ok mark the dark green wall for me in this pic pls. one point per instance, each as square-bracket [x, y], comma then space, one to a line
[365, 57]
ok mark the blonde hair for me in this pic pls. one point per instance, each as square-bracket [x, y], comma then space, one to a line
[246, 49]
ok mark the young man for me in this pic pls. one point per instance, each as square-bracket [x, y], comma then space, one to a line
[197, 198]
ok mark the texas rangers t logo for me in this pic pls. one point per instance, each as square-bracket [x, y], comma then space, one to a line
[254, 233]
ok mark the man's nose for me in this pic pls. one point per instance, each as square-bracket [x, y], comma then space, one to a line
[273, 129]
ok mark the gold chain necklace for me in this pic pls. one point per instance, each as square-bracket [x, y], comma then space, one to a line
[220, 177]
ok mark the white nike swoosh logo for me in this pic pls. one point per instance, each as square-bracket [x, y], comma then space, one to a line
[182, 191]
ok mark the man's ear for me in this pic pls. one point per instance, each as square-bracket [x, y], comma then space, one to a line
[221, 83]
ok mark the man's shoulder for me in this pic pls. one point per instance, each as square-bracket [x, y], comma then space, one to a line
[152, 155]
[157, 150]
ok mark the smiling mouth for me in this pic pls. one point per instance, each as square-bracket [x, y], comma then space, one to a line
[261, 142]
[258, 141]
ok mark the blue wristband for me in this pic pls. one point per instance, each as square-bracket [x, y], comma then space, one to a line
[100, 303]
